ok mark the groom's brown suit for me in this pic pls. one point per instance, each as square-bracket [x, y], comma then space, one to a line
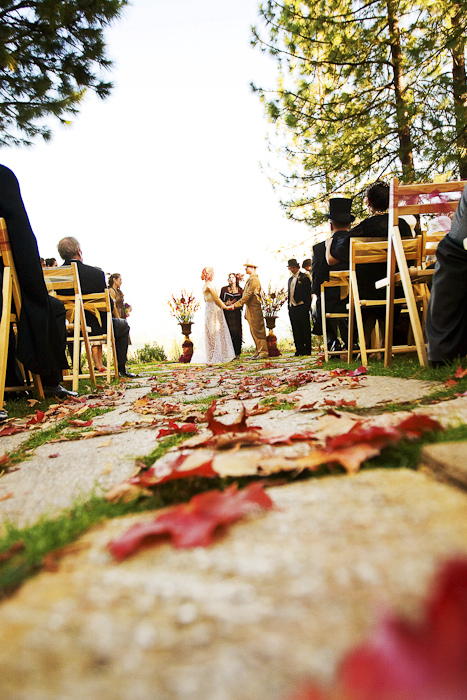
[254, 314]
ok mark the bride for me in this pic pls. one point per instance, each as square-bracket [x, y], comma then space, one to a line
[216, 344]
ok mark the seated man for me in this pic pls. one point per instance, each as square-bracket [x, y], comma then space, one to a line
[376, 226]
[92, 281]
[41, 338]
[340, 219]
[446, 323]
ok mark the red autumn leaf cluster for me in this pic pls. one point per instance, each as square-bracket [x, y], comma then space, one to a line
[193, 524]
[402, 660]
[176, 471]
[38, 418]
[339, 402]
[172, 428]
[11, 430]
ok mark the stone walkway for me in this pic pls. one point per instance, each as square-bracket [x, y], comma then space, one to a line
[277, 598]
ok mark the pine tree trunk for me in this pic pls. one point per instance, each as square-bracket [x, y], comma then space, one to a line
[402, 115]
[459, 88]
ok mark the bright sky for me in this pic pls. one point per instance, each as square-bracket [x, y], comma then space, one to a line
[163, 177]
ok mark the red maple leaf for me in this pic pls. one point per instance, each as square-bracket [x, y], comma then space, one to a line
[173, 428]
[193, 524]
[339, 402]
[450, 382]
[402, 660]
[38, 418]
[11, 431]
[80, 423]
[357, 372]
[238, 426]
[459, 373]
[150, 478]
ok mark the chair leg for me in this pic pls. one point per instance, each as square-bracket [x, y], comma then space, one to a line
[323, 316]
[5, 329]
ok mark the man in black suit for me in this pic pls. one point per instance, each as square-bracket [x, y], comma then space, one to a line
[41, 338]
[92, 281]
[299, 302]
[340, 219]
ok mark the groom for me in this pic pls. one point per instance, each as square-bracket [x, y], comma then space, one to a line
[252, 300]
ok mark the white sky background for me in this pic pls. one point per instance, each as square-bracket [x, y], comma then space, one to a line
[163, 177]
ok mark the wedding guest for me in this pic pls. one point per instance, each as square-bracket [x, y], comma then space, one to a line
[306, 264]
[41, 339]
[299, 302]
[114, 284]
[338, 251]
[446, 323]
[251, 298]
[229, 295]
[92, 281]
[340, 219]
[50, 262]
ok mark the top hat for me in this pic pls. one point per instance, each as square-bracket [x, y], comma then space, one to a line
[339, 210]
[292, 263]
[248, 263]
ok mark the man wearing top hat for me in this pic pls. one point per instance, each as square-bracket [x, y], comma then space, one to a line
[254, 315]
[340, 219]
[299, 303]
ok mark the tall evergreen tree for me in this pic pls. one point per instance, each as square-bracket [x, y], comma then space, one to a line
[51, 52]
[356, 90]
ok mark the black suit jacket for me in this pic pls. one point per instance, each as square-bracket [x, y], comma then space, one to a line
[302, 289]
[39, 347]
[92, 281]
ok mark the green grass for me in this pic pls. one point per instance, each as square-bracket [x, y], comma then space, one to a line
[163, 447]
[283, 406]
[204, 400]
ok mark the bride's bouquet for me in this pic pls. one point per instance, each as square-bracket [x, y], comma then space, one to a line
[273, 300]
[184, 308]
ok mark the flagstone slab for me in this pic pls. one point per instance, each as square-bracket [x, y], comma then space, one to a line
[277, 598]
[447, 461]
[45, 484]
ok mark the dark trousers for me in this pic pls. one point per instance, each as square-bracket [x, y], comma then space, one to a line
[13, 375]
[121, 333]
[446, 323]
[301, 328]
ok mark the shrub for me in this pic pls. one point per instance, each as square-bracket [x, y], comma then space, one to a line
[151, 353]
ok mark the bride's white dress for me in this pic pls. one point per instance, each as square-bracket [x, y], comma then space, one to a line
[215, 344]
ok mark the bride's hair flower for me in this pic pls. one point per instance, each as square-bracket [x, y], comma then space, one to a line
[207, 273]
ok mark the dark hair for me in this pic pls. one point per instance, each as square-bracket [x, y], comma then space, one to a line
[236, 275]
[306, 262]
[378, 195]
[50, 261]
[112, 277]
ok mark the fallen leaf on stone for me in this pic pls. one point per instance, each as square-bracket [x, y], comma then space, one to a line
[106, 443]
[410, 660]
[80, 423]
[57, 454]
[239, 424]
[305, 406]
[258, 410]
[125, 492]
[193, 524]
[192, 464]
[38, 418]
[173, 428]
[339, 402]
[357, 372]
[6, 497]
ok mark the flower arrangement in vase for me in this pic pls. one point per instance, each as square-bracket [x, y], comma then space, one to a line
[184, 309]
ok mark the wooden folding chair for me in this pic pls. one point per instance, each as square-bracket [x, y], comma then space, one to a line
[406, 199]
[56, 280]
[336, 279]
[11, 291]
[99, 305]
[375, 250]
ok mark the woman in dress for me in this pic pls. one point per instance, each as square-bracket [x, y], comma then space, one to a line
[216, 344]
[229, 295]
[114, 284]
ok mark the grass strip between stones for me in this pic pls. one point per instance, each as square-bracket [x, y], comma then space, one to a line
[35, 547]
